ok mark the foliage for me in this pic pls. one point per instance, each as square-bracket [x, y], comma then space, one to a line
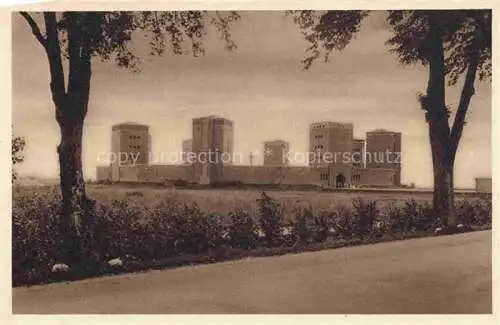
[34, 226]
[327, 30]
[117, 227]
[270, 219]
[303, 227]
[243, 230]
[18, 144]
[108, 34]
[309, 227]
[194, 232]
[398, 222]
[475, 212]
[465, 34]
[323, 226]
[344, 222]
[365, 215]
[412, 217]
[168, 230]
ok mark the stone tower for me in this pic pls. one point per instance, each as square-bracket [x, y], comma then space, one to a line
[276, 153]
[383, 150]
[330, 147]
[212, 144]
[129, 146]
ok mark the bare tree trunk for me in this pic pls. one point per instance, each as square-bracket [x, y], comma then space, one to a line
[443, 164]
[437, 115]
[444, 194]
[75, 204]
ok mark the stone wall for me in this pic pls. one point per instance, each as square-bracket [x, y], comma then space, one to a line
[173, 172]
[484, 185]
[128, 173]
[103, 173]
[271, 175]
[384, 177]
[292, 175]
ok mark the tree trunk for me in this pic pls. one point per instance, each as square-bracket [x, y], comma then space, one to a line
[72, 185]
[443, 164]
[74, 222]
[437, 115]
[444, 195]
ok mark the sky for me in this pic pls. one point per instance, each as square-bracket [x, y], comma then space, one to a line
[260, 86]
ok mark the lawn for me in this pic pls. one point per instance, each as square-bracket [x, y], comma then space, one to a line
[224, 201]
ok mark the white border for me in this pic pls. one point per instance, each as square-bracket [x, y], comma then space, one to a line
[5, 164]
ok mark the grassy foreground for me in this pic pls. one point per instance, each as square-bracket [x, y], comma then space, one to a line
[169, 232]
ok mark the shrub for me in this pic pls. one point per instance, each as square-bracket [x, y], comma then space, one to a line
[398, 222]
[484, 212]
[426, 220]
[34, 233]
[412, 217]
[212, 231]
[465, 213]
[365, 215]
[323, 223]
[116, 229]
[158, 234]
[270, 220]
[312, 228]
[344, 222]
[242, 230]
[133, 232]
[476, 212]
[303, 226]
[195, 232]
[420, 217]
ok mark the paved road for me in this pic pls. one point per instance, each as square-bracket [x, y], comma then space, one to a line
[449, 274]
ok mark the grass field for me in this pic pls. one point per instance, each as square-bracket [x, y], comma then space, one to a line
[224, 201]
[163, 227]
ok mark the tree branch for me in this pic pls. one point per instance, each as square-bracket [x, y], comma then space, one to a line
[79, 48]
[434, 102]
[53, 50]
[463, 106]
[34, 28]
[74, 30]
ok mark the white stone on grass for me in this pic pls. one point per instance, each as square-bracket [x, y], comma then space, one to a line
[60, 267]
[378, 224]
[287, 231]
[116, 262]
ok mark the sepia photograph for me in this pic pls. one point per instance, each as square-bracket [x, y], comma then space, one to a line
[252, 162]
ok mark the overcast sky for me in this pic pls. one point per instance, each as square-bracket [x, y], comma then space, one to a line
[261, 87]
